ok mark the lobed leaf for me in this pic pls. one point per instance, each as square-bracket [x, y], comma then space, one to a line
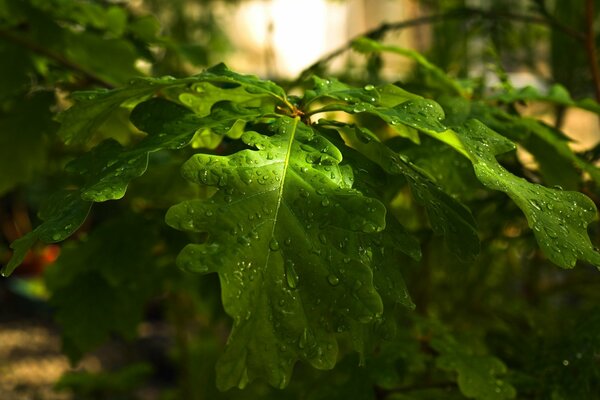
[558, 218]
[92, 108]
[284, 235]
[115, 267]
[478, 375]
[63, 214]
[447, 216]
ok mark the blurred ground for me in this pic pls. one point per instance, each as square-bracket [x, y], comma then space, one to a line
[30, 361]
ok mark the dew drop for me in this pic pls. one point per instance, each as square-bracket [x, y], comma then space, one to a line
[322, 238]
[290, 274]
[274, 245]
[243, 240]
[369, 228]
[333, 280]
[535, 204]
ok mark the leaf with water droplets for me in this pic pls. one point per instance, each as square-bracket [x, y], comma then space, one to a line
[63, 214]
[92, 108]
[448, 217]
[558, 163]
[558, 218]
[479, 375]
[292, 222]
[332, 89]
[109, 167]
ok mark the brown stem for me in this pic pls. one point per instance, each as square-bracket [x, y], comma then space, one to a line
[590, 45]
[462, 13]
[58, 58]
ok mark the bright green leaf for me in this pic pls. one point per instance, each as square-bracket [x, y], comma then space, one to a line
[559, 219]
[284, 233]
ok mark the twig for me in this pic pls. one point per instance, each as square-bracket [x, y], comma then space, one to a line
[43, 51]
[461, 13]
[590, 45]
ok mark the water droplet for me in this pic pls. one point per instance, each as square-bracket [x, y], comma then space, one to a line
[209, 213]
[565, 363]
[290, 274]
[274, 245]
[244, 241]
[369, 228]
[369, 87]
[322, 238]
[333, 280]
[535, 204]
[325, 202]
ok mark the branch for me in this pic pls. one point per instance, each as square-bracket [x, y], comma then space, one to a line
[461, 13]
[58, 58]
[590, 45]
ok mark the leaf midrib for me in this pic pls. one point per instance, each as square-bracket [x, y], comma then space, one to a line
[286, 164]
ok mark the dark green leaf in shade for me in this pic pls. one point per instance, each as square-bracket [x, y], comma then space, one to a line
[111, 59]
[24, 140]
[479, 375]
[14, 74]
[557, 94]
[113, 267]
[448, 217]
[284, 236]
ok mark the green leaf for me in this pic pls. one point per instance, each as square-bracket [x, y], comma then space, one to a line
[448, 217]
[478, 374]
[92, 108]
[24, 140]
[14, 74]
[558, 163]
[365, 45]
[111, 59]
[334, 89]
[559, 219]
[109, 167]
[100, 286]
[557, 94]
[63, 214]
[284, 230]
